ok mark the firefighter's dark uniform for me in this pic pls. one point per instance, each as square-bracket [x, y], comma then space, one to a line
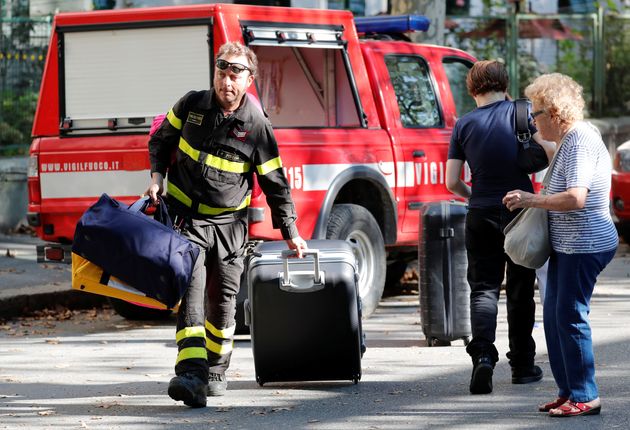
[209, 187]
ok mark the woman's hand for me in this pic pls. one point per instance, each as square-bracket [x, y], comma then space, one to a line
[518, 199]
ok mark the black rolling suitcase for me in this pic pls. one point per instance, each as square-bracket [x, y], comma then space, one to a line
[444, 289]
[304, 314]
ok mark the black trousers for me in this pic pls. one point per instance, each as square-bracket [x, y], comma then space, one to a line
[487, 263]
[205, 320]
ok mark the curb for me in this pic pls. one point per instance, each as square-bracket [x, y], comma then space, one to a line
[21, 305]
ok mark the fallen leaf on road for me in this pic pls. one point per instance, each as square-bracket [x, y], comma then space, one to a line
[52, 341]
[281, 408]
[157, 375]
[44, 413]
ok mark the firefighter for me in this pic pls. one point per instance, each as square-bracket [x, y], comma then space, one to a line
[220, 138]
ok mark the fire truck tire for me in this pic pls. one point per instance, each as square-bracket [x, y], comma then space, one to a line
[138, 313]
[356, 225]
[625, 231]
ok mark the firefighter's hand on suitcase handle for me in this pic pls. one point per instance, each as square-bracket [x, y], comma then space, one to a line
[315, 279]
[298, 245]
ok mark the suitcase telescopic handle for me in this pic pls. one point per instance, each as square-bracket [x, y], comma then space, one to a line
[286, 282]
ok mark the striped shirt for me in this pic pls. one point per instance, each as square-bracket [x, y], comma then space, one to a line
[583, 161]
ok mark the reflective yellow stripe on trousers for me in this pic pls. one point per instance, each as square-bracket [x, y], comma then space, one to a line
[175, 192]
[192, 352]
[226, 334]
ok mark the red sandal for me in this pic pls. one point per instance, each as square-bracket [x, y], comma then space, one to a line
[545, 407]
[574, 409]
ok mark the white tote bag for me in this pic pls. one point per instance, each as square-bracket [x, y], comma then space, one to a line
[527, 235]
[527, 238]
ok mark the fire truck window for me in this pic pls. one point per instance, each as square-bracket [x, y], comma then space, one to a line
[456, 71]
[414, 92]
[305, 87]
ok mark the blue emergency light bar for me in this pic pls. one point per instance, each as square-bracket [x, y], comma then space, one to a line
[392, 24]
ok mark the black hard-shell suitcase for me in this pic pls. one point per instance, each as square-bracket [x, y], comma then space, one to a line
[304, 328]
[444, 289]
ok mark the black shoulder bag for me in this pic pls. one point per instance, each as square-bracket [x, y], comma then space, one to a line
[531, 157]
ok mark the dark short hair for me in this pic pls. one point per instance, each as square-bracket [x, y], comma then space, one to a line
[487, 76]
[236, 49]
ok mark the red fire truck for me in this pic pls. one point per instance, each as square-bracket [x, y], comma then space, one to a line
[363, 123]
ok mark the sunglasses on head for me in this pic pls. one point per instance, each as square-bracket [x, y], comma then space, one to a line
[235, 68]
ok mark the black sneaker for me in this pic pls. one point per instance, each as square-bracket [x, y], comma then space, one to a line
[526, 374]
[189, 389]
[481, 379]
[217, 384]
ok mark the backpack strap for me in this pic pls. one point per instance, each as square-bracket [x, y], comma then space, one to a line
[521, 114]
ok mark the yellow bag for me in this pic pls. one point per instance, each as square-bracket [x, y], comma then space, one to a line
[87, 276]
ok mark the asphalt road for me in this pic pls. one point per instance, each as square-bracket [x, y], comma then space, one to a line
[94, 370]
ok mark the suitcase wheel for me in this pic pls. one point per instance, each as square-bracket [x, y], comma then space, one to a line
[355, 380]
[466, 340]
[433, 341]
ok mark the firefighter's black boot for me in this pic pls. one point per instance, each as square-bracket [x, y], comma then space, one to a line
[189, 389]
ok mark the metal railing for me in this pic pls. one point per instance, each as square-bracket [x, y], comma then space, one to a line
[594, 49]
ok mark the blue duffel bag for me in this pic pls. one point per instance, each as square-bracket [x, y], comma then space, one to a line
[144, 252]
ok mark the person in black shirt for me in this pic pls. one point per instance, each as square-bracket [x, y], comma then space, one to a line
[486, 139]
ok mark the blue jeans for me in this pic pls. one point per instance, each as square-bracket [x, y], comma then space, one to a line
[570, 284]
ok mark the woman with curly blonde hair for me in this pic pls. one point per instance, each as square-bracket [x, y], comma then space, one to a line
[582, 234]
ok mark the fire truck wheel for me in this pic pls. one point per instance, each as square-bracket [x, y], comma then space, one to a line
[625, 231]
[138, 313]
[356, 225]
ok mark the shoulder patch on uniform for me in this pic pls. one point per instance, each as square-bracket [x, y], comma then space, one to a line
[194, 118]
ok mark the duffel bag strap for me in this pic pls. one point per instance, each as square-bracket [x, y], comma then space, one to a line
[161, 212]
